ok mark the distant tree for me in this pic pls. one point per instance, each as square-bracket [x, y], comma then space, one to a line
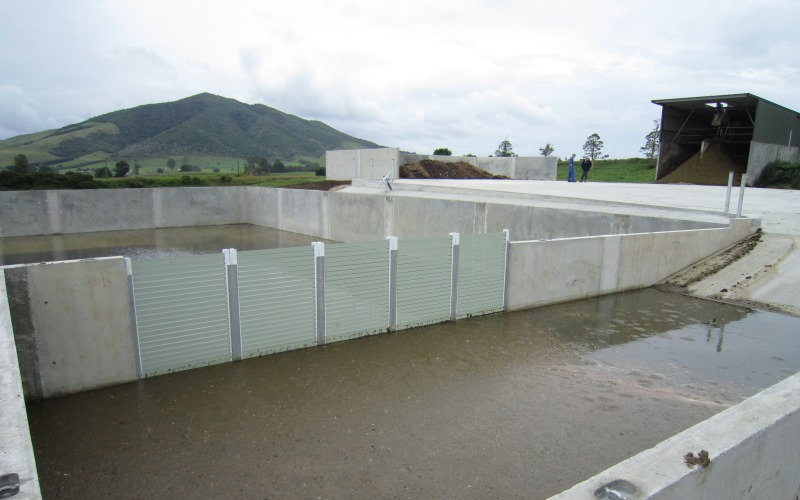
[21, 163]
[121, 168]
[505, 149]
[278, 167]
[159, 170]
[470, 155]
[442, 152]
[652, 141]
[171, 164]
[257, 165]
[137, 167]
[548, 149]
[593, 147]
[102, 172]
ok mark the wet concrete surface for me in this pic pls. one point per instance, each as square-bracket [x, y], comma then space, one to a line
[518, 405]
[146, 243]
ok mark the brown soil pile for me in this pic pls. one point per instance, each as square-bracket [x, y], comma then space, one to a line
[320, 186]
[711, 169]
[434, 169]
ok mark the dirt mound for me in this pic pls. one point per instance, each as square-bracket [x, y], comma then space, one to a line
[435, 169]
[710, 169]
[320, 186]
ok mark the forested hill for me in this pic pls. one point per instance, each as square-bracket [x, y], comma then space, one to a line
[203, 124]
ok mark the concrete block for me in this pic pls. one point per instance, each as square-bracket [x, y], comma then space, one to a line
[356, 217]
[24, 213]
[82, 323]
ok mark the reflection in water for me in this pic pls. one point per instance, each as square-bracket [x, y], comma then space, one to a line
[491, 407]
[146, 243]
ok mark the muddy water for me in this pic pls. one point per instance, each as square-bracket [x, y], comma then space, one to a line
[521, 405]
[146, 243]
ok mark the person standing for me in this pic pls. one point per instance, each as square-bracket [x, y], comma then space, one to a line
[571, 174]
[586, 164]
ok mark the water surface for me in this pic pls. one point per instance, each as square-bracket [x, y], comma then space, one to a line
[519, 405]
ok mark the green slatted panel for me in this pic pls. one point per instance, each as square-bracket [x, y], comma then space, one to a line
[276, 300]
[423, 281]
[481, 274]
[181, 313]
[356, 289]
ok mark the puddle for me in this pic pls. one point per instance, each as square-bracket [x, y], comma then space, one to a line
[524, 404]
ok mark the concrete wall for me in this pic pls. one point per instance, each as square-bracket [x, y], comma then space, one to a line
[560, 270]
[375, 163]
[16, 450]
[349, 164]
[762, 153]
[752, 447]
[76, 321]
[26, 213]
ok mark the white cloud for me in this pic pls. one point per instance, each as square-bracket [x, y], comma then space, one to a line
[414, 74]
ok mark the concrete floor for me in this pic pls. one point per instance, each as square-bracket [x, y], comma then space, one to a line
[769, 275]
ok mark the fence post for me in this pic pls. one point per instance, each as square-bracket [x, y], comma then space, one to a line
[507, 234]
[741, 195]
[728, 195]
[454, 277]
[137, 356]
[319, 288]
[392, 283]
[232, 268]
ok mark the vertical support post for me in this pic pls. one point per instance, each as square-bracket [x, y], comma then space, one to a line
[728, 196]
[741, 196]
[454, 277]
[137, 355]
[507, 234]
[235, 324]
[392, 283]
[319, 288]
[372, 168]
[354, 169]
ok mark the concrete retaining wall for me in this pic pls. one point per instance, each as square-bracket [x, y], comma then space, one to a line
[373, 164]
[752, 447]
[16, 449]
[74, 319]
[560, 270]
[762, 153]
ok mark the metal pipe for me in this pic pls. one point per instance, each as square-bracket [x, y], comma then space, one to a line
[741, 196]
[728, 196]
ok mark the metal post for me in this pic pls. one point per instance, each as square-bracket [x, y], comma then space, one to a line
[137, 355]
[507, 233]
[454, 277]
[319, 288]
[354, 169]
[728, 196]
[392, 283]
[232, 273]
[741, 195]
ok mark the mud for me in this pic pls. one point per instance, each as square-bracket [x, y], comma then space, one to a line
[436, 169]
[519, 405]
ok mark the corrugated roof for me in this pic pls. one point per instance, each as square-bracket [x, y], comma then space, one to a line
[702, 102]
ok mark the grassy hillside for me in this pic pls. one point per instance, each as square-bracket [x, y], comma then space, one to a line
[204, 125]
[625, 170]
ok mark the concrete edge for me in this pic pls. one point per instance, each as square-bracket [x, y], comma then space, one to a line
[752, 447]
[16, 448]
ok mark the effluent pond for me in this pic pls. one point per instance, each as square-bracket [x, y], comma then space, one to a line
[517, 405]
[146, 243]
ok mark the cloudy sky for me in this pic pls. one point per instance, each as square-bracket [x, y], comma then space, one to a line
[413, 74]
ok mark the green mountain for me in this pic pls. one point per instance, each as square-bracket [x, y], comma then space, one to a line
[201, 125]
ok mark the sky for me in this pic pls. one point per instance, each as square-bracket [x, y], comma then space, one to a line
[416, 75]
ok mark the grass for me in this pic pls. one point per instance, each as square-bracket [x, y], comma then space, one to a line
[212, 179]
[639, 170]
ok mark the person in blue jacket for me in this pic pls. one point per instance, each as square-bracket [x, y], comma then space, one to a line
[571, 175]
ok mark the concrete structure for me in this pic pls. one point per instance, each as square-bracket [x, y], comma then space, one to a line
[628, 244]
[373, 164]
[16, 450]
[751, 130]
[752, 447]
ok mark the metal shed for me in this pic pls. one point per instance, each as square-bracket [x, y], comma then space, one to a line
[748, 130]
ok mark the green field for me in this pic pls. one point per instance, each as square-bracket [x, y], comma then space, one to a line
[638, 170]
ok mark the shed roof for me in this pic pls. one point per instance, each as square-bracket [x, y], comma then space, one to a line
[703, 102]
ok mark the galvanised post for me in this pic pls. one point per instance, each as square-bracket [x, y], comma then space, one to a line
[454, 277]
[234, 318]
[392, 283]
[507, 234]
[137, 356]
[319, 288]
